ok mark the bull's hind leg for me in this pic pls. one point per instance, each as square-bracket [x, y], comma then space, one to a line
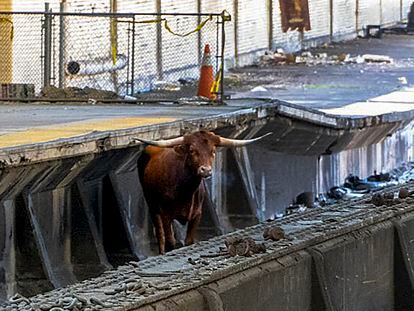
[159, 232]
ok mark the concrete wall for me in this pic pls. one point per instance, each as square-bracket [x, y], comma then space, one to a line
[361, 271]
[354, 258]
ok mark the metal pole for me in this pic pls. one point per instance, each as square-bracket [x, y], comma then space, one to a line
[270, 23]
[62, 47]
[380, 7]
[223, 46]
[356, 16]
[199, 47]
[236, 25]
[48, 46]
[133, 58]
[331, 20]
[159, 42]
[113, 34]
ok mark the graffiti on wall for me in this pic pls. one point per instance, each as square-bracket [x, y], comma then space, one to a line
[295, 15]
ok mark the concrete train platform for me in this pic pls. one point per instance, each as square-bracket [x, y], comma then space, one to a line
[33, 124]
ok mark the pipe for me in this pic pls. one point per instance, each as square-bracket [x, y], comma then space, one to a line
[96, 66]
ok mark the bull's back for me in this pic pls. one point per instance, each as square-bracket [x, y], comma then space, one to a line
[157, 170]
[147, 154]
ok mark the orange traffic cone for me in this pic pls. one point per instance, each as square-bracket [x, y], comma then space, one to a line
[206, 75]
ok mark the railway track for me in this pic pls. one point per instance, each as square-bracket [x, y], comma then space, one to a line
[137, 284]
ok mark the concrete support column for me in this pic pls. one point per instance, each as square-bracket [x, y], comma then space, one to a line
[131, 202]
[50, 219]
[7, 250]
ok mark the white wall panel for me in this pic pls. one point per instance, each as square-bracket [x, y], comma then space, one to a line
[179, 53]
[406, 5]
[252, 28]
[88, 6]
[145, 41]
[390, 11]
[290, 40]
[320, 19]
[344, 18]
[136, 6]
[33, 5]
[369, 13]
[212, 6]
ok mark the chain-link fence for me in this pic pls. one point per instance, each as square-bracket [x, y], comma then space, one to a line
[107, 56]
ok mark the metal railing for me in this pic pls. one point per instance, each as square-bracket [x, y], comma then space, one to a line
[77, 55]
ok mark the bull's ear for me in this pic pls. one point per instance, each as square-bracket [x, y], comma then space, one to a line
[180, 149]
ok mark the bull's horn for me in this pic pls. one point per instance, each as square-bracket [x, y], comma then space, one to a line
[162, 143]
[227, 142]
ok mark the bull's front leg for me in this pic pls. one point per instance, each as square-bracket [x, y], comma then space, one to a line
[159, 232]
[192, 228]
[169, 233]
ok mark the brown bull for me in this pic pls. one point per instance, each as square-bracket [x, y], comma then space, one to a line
[171, 172]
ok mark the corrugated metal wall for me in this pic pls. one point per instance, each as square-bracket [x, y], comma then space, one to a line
[255, 27]
[406, 4]
[320, 21]
[344, 18]
[369, 13]
[390, 11]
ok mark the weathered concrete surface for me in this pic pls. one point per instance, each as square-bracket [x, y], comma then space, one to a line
[331, 86]
[342, 257]
[404, 261]
[352, 267]
[327, 130]
[78, 200]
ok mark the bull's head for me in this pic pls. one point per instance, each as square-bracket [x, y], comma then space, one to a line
[199, 148]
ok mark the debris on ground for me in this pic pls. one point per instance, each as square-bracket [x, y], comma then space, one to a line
[404, 193]
[379, 177]
[355, 183]
[377, 199]
[403, 80]
[233, 80]
[305, 198]
[374, 58]
[337, 193]
[274, 234]
[388, 199]
[295, 208]
[166, 86]
[52, 92]
[243, 246]
[279, 57]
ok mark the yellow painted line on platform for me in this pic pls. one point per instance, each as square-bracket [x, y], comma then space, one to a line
[73, 129]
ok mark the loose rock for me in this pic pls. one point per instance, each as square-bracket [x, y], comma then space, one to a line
[274, 234]
[238, 246]
[403, 193]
